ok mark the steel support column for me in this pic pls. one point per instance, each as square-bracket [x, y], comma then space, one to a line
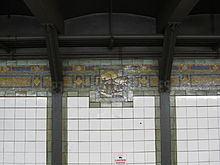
[165, 128]
[165, 69]
[56, 69]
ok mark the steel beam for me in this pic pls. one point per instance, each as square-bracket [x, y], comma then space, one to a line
[165, 128]
[174, 11]
[47, 12]
[166, 61]
[55, 61]
[56, 128]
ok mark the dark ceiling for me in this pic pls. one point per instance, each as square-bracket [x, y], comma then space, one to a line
[76, 8]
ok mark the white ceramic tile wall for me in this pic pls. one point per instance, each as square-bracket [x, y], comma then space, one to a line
[96, 135]
[198, 130]
[23, 130]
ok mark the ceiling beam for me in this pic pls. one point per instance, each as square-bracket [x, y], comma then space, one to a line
[174, 11]
[166, 61]
[47, 12]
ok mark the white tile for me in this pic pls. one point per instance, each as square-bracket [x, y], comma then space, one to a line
[105, 112]
[31, 101]
[191, 112]
[127, 112]
[138, 124]
[95, 124]
[83, 158]
[30, 113]
[150, 146]
[214, 155]
[20, 102]
[20, 113]
[213, 123]
[83, 146]
[40, 146]
[73, 125]
[10, 102]
[192, 123]
[41, 124]
[191, 101]
[83, 112]
[193, 146]
[127, 123]
[106, 147]
[202, 123]
[9, 158]
[117, 124]
[30, 135]
[117, 112]
[41, 135]
[193, 156]
[180, 112]
[149, 112]
[139, 158]
[181, 123]
[30, 147]
[9, 124]
[73, 102]
[41, 158]
[95, 135]
[180, 101]
[202, 111]
[94, 112]
[149, 101]
[182, 157]
[182, 146]
[139, 146]
[213, 134]
[203, 134]
[203, 145]
[202, 101]
[84, 124]
[203, 156]
[41, 113]
[84, 135]
[128, 147]
[106, 158]
[83, 102]
[128, 135]
[19, 157]
[212, 112]
[116, 146]
[149, 135]
[19, 124]
[138, 112]
[139, 135]
[106, 124]
[116, 136]
[9, 135]
[1, 147]
[41, 102]
[138, 101]
[9, 113]
[151, 158]
[95, 147]
[73, 157]
[149, 124]
[2, 102]
[30, 158]
[73, 112]
[8, 147]
[95, 158]
[214, 145]
[30, 124]
[212, 101]
[20, 135]
[73, 136]
[106, 136]
[192, 134]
